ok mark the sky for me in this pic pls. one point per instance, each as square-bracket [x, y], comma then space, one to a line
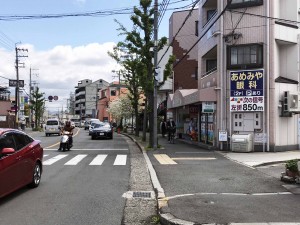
[63, 51]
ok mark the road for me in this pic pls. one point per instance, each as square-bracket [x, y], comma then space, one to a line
[204, 187]
[82, 186]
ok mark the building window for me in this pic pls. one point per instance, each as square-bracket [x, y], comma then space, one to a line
[210, 14]
[196, 73]
[211, 65]
[113, 93]
[244, 3]
[245, 56]
[103, 93]
[196, 28]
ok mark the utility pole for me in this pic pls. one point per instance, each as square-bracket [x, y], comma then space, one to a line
[17, 99]
[155, 82]
[30, 93]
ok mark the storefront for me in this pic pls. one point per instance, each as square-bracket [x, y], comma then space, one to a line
[207, 121]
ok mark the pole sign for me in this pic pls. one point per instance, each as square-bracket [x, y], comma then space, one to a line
[247, 90]
[13, 83]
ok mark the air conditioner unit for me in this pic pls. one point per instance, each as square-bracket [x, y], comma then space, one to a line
[291, 101]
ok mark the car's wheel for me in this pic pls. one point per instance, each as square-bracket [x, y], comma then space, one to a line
[93, 137]
[36, 176]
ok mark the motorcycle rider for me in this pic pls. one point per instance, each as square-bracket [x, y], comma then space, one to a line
[70, 129]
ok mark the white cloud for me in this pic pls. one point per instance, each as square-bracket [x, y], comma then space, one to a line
[60, 68]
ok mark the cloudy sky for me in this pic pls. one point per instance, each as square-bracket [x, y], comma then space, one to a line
[65, 49]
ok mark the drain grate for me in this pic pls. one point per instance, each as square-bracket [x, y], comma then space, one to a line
[141, 194]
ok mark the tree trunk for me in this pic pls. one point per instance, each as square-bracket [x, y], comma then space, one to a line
[145, 121]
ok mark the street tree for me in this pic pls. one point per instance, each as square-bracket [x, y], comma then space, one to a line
[139, 42]
[37, 105]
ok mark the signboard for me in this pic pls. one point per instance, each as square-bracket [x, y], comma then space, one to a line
[208, 107]
[247, 90]
[222, 135]
[13, 83]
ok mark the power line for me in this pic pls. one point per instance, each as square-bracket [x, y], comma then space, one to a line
[207, 29]
[98, 13]
[183, 23]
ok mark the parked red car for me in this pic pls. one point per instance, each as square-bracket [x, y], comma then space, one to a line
[20, 161]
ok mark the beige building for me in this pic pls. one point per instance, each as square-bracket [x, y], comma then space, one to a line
[248, 74]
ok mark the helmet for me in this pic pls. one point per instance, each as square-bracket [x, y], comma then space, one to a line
[68, 123]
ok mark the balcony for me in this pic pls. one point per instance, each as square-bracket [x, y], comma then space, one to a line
[285, 32]
[80, 93]
[209, 80]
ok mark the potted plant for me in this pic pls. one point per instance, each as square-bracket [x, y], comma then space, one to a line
[291, 168]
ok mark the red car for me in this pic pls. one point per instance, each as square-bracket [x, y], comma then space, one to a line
[20, 161]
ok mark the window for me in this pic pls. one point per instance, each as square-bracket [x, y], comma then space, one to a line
[113, 93]
[196, 28]
[210, 14]
[196, 73]
[244, 3]
[211, 65]
[245, 56]
[20, 141]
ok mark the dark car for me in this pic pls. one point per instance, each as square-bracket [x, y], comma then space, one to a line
[102, 130]
[20, 161]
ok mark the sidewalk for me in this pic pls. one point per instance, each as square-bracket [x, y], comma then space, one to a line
[183, 209]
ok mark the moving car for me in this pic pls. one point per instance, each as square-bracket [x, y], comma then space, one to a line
[20, 161]
[91, 126]
[52, 127]
[102, 130]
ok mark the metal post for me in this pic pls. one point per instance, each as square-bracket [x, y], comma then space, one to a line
[17, 89]
[155, 83]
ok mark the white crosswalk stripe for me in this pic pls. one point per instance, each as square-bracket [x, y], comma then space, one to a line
[54, 159]
[120, 160]
[75, 160]
[98, 160]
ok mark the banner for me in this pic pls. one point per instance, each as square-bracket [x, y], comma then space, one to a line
[247, 90]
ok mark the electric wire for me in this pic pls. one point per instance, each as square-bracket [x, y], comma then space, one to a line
[182, 25]
[207, 29]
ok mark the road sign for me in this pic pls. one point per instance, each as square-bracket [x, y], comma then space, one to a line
[13, 83]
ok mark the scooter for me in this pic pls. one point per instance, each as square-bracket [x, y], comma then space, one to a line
[65, 141]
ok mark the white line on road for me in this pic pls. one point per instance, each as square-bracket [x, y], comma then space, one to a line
[193, 152]
[98, 160]
[75, 160]
[120, 160]
[91, 149]
[54, 159]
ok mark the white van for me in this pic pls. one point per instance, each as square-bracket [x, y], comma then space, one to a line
[52, 127]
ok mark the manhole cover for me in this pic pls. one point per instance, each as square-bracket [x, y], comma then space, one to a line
[141, 194]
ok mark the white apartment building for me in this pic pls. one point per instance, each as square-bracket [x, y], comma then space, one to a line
[248, 73]
[86, 97]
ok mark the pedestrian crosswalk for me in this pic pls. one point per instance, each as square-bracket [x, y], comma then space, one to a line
[72, 160]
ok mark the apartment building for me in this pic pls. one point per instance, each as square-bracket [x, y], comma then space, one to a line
[108, 94]
[185, 68]
[86, 97]
[248, 73]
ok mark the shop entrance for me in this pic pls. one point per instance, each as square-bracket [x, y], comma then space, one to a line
[207, 128]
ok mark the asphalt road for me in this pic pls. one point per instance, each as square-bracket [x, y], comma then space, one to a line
[83, 186]
[204, 187]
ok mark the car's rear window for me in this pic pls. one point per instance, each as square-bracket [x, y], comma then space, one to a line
[52, 122]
